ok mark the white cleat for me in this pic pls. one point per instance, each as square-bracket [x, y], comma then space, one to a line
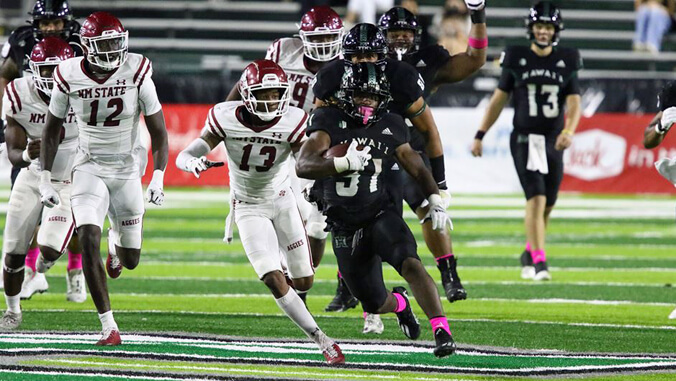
[373, 324]
[673, 314]
[42, 265]
[33, 282]
[10, 321]
[527, 272]
[76, 286]
[542, 275]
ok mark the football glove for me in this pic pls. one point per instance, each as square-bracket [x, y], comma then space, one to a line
[196, 165]
[668, 119]
[475, 5]
[155, 193]
[445, 198]
[437, 214]
[48, 194]
[354, 159]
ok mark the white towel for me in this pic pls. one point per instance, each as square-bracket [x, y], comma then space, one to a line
[537, 154]
[667, 168]
[229, 220]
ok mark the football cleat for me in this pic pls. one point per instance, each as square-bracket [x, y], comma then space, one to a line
[445, 344]
[343, 301]
[110, 337]
[42, 265]
[673, 314]
[407, 321]
[33, 282]
[113, 264]
[330, 350]
[450, 279]
[75, 286]
[373, 324]
[10, 321]
[541, 272]
[527, 269]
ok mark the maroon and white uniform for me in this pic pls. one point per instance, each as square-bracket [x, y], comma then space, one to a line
[106, 176]
[23, 103]
[263, 203]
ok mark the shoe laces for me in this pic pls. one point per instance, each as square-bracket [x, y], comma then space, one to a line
[372, 319]
[11, 317]
[114, 261]
[326, 344]
[105, 333]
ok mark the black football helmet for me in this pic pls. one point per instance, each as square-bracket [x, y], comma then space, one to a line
[360, 79]
[547, 13]
[364, 38]
[50, 10]
[399, 18]
[667, 96]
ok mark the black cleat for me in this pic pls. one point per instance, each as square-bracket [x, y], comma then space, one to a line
[407, 321]
[445, 344]
[541, 271]
[343, 301]
[450, 280]
[527, 269]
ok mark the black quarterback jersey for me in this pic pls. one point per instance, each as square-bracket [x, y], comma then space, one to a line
[21, 42]
[540, 86]
[406, 85]
[427, 61]
[352, 201]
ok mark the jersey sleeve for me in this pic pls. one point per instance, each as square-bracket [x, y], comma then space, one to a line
[11, 104]
[322, 119]
[147, 94]
[327, 80]
[507, 81]
[400, 130]
[274, 51]
[406, 83]
[574, 61]
[298, 134]
[213, 125]
[59, 102]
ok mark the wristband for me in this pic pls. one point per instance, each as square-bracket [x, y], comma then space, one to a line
[479, 135]
[478, 17]
[341, 164]
[45, 177]
[438, 171]
[477, 43]
[434, 199]
[158, 175]
[26, 157]
[566, 131]
[659, 129]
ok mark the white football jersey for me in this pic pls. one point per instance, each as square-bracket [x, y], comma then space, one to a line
[288, 53]
[257, 157]
[23, 103]
[107, 112]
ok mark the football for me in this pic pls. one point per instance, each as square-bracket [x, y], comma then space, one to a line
[339, 150]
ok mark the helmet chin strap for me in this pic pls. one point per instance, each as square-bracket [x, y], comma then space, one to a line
[366, 113]
[542, 46]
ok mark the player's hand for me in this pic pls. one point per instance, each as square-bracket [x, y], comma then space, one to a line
[668, 120]
[33, 149]
[475, 5]
[477, 148]
[48, 195]
[197, 165]
[155, 192]
[357, 159]
[307, 194]
[445, 198]
[563, 141]
[437, 214]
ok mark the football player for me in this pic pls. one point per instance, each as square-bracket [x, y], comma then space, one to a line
[318, 42]
[436, 67]
[25, 107]
[656, 132]
[365, 228]
[48, 19]
[260, 134]
[543, 78]
[108, 89]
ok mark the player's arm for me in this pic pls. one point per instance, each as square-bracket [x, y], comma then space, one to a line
[8, 72]
[414, 165]
[422, 119]
[158, 139]
[573, 114]
[19, 151]
[462, 65]
[234, 94]
[193, 157]
[495, 106]
[51, 135]
[659, 127]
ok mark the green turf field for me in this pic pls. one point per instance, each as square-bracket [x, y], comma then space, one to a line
[194, 309]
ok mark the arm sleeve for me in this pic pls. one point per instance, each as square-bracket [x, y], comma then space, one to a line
[197, 148]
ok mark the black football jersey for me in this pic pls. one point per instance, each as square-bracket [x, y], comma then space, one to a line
[539, 86]
[21, 42]
[406, 85]
[351, 201]
[427, 61]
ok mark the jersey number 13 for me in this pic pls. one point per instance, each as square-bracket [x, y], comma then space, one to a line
[550, 109]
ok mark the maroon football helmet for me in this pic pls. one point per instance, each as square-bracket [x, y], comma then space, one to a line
[321, 31]
[264, 75]
[44, 58]
[106, 40]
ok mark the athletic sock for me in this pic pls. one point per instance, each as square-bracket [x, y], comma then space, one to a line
[13, 303]
[74, 261]
[446, 256]
[440, 322]
[401, 302]
[107, 320]
[528, 246]
[295, 309]
[538, 256]
[32, 258]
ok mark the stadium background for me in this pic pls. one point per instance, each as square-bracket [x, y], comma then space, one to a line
[611, 242]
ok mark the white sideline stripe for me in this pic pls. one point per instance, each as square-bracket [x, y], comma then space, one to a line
[335, 316]
[93, 374]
